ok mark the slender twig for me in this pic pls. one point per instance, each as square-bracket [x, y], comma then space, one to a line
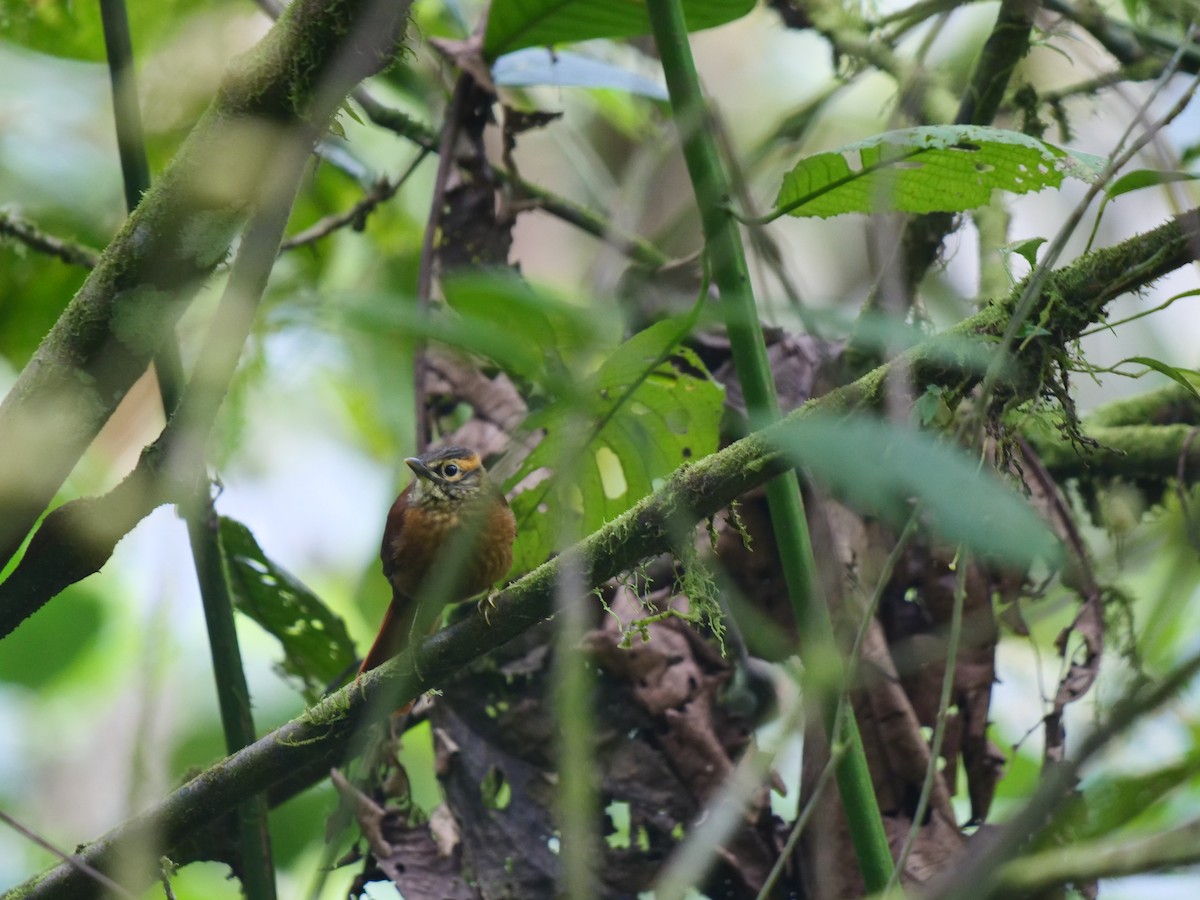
[33, 237]
[978, 878]
[69, 858]
[446, 143]
[939, 729]
[356, 216]
[585, 219]
[1108, 326]
[784, 859]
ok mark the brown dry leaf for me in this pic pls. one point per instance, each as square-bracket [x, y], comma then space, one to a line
[494, 759]
[498, 408]
[676, 678]
[402, 851]
[801, 365]
[1078, 574]
[662, 743]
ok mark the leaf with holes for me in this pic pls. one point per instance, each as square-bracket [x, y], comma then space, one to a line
[941, 168]
[649, 408]
[316, 645]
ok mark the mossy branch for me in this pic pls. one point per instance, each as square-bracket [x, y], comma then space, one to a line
[1147, 453]
[119, 319]
[1110, 857]
[301, 751]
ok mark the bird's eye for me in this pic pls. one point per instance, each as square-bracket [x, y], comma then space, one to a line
[449, 470]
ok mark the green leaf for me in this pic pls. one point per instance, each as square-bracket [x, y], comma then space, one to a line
[1026, 249]
[942, 168]
[513, 24]
[882, 469]
[931, 406]
[649, 408]
[68, 28]
[1175, 374]
[1144, 178]
[316, 645]
[49, 643]
[1113, 802]
[529, 331]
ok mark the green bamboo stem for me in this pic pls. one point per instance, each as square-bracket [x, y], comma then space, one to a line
[729, 271]
[257, 870]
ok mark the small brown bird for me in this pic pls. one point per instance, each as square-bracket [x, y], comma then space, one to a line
[450, 515]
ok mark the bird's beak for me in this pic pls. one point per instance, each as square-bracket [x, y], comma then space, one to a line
[419, 468]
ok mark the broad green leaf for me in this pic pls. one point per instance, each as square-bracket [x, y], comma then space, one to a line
[882, 469]
[1144, 178]
[536, 66]
[638, 419]
[1179, 376]
[316, 645]
[941, 168]
[48, 643]
[513, 24]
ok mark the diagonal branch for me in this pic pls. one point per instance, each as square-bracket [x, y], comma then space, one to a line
[301, 752]
[182, 229]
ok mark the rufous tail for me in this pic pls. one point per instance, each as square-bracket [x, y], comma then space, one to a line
[393, 634]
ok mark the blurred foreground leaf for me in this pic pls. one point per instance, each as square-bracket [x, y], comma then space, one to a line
[532, 333]
[71, 29]
[316, 645]
[882, 469]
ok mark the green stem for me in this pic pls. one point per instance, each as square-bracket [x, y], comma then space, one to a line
[728, 261]
[135, 169]
[257, 870]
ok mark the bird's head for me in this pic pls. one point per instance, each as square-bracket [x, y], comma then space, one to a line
[449, 475]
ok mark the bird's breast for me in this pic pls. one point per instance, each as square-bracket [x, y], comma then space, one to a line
[478, 540]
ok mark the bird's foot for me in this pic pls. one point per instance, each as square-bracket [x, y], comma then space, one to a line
[486, 603]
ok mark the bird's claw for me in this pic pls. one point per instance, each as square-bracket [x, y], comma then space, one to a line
[486, 602]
